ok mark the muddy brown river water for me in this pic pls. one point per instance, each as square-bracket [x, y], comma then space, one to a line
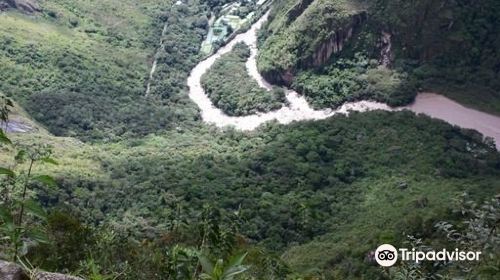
[440, 107]
[298, 108]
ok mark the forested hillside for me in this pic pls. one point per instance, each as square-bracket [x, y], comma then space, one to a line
[80, 67]
[111, 183]
[446, 46]
[324, 193]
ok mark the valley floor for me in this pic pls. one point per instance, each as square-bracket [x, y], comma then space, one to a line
[434, 105]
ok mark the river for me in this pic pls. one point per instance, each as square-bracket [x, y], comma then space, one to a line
[298, 108]
[440, 107]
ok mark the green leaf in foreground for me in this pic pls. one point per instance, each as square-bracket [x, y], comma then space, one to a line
[6, 216]
[38, 236]
[49, 160]
[3, 138]
[35, 209]
[8, 172]
[21, 155]
[46, 180]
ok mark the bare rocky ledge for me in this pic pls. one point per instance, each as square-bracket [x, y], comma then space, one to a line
[16, 126]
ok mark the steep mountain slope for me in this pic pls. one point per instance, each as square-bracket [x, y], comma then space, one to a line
[80, 67]
[325, 193]
[306, 35]
[449, 46]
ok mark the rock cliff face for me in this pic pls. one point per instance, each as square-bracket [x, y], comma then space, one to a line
[336, 42]
[281, 78]
[11, 271]
[27, 6]
[386, 55]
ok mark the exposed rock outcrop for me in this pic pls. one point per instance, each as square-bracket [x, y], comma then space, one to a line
[336, 42]
[15, 126]
[386, 55]
[11, 271]
[280, 78]
[323, 51]
[3, 6]
[27, 6]
[54, 276]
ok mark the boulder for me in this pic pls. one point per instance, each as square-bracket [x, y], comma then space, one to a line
[3, 6]
[12, 271]
[54, 276]
[27, 6]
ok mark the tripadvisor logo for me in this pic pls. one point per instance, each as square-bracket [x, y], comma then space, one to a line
[387, 255]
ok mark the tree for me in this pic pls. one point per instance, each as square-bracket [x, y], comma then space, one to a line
[222, 270]
[476, 232]
[17, 235]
